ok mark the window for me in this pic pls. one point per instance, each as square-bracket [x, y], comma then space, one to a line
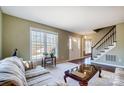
[43, 41]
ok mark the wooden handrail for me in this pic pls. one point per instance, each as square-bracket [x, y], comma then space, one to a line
[108, 38]
[103, 37]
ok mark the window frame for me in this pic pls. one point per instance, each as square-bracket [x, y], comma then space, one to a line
[45, 40]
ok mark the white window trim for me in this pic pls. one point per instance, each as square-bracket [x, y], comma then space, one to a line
[46, 31]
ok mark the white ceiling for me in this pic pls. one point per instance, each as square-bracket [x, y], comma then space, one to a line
[78, 19]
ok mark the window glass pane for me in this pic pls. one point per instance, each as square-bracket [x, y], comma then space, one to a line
[51, 43]
[37, 44]
[42, 42]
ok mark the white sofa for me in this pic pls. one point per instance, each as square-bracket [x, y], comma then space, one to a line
[13, 72]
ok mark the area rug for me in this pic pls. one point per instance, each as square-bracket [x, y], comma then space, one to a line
[58, 73]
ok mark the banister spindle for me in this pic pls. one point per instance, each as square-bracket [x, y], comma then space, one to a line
[105, 41]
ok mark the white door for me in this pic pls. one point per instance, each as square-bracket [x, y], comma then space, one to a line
[74, 47]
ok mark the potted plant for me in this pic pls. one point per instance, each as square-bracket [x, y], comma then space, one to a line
[45, 54]
[52, 53]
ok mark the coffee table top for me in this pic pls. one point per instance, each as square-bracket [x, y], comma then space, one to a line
[84, 72]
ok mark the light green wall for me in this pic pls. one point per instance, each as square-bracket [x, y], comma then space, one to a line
[120, 43]
[16, 34]
[97, 36]
[0, 34]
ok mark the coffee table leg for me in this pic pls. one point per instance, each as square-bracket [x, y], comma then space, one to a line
[83, 83]
[65, 79]
[55, 61]
[100, 73]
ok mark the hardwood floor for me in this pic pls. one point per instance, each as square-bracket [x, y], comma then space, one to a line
[87, 60]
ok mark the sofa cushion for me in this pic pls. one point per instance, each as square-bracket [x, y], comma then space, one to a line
[45, 80]
[8, 79]
[39, 79]
[50, 82]
[16, 61]
[36, 72]
[8, 68]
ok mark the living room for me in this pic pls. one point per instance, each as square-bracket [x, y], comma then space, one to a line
[31, 36]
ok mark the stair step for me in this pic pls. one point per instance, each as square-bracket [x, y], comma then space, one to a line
[102, 51]
[98, 54]
[106, 48]
[95, 56]
[111, 45]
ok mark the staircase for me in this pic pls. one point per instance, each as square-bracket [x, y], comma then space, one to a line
[104, 45]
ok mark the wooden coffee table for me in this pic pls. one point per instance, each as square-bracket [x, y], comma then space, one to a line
[83, 73]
